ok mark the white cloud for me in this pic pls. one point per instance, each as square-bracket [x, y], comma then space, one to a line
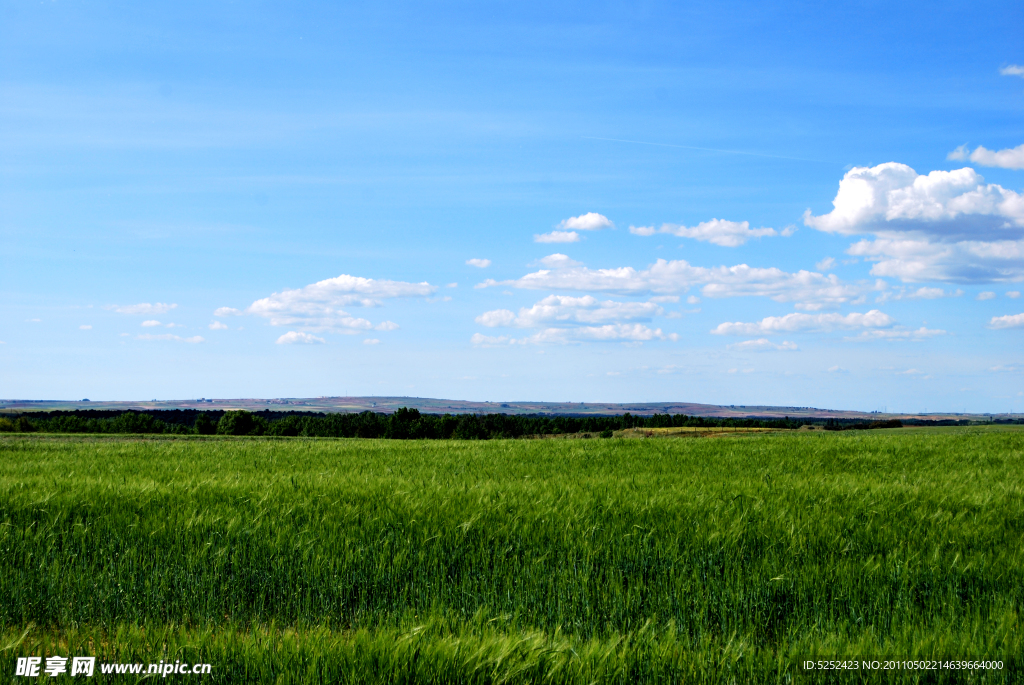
[837, 369]
[762, 345]
[1008, 321]
[85, 327]
[1012, 70]
[227, 311]
[607, 333]
[922, 293]
[811, 289]
[826, 264]
[151, 323]
[667, 298]
[371, 341]
[716, 231]
[797, 322]
[298, 337]
[386, 326]
[898, 333]
[945, 226]
[318, 306]
[143, 308]
[986, 296]
[557, 237]
[892, 199]
[1010, 158]
[591, 221]
[966, 261]
[217, 326]
[692, 299]
[1013, 294]
[570, 310]
[168, 336]
[479, 263]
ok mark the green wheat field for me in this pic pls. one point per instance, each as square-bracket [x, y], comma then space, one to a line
[669, 560]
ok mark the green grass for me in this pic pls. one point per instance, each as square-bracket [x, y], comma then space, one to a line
[668, 560]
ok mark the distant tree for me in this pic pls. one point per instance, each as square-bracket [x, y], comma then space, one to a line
[204, 425]
[6, 425]
[238, 422]
[23, 425]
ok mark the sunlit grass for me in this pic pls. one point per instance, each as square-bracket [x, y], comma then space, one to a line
[515, 561]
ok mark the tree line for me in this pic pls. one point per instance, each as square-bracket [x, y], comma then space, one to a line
[403, 424]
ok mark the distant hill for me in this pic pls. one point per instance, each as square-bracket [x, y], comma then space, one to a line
[441, 406]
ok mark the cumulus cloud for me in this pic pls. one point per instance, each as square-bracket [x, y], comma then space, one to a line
[893, 199]
[1010, 158]
[557, 237]
[607, 333]
[479, 263]
[570, 310]
[591, 221]
[716, 231]
[318, 306]
[762, 345]
[826, 264]
[217, 326]
[85, 327]
[1013, 294]
[922, 293]
[898, 333]
[989, 295]
[943, 226]
[298, 337]
[168, 336]
[798, 322]
[371, 341]
[810, 289]
[143, 308]
[1012, 70]
[227, 311]
[150, 323]
[1008, 321]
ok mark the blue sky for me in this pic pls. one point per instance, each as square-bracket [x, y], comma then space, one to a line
[514, 201]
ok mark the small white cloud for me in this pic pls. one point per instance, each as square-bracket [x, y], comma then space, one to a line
[643, 230]
[489, 340]
[614, 373]
[692, 299]
[897, 334]
[452, 285]
[479, 263]
[143, 308]
[826, 264]
[591, 221]
[923, 293]
[762, 345]
[665, 298]
[716, 231]
[386, 326]
[150, 323]
[167, 336]
[910, 372]
[837, 369]
[217, 326]
[988, 295]
[298, 337]
[85, 327]
[227, 311]
[806, 322]
[557, 237]
[788, 231]
[1008, 321]
[371, 341]
[1012, 70]
[1013, 294]
[1010, 158]
[732, 371]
